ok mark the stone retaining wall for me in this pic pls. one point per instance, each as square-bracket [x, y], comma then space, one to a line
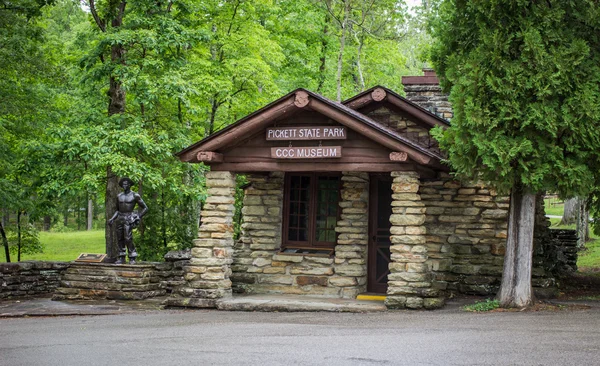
[30, 278]
[92, 280]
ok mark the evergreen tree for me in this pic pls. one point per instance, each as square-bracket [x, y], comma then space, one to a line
[524, 81]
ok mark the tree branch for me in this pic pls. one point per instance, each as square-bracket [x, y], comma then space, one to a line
[99, 21]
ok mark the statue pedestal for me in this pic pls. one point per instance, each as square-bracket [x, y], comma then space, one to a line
[85, 281]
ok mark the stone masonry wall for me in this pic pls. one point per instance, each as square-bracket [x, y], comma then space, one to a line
[430, 97]
[259, 267]
[466, 235]
[207, 274]
[30, 278]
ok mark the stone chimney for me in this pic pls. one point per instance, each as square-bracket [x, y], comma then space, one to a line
[426, 92]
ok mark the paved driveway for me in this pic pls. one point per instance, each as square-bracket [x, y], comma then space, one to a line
[208, 337]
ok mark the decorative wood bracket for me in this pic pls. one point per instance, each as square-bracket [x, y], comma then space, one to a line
[398, 156]
[209, 157]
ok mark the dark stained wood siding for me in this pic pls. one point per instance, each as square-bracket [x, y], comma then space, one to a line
[356, 149]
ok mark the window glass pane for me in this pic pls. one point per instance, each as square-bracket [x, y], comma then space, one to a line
[299, 198]
[302, 235]
[327, 208]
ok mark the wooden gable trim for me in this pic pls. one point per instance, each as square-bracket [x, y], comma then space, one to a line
[207, 150]
[386, 96]
[389, 142]
[242, 128]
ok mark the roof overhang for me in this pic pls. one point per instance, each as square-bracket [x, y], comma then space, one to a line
[207, 150]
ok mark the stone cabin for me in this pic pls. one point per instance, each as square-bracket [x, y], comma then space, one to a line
[344, 199]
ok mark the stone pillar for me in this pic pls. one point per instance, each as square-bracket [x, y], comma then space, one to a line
[410, 278]
[207, 275]
[351, 249]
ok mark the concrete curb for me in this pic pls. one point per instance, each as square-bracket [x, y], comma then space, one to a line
[295, 304]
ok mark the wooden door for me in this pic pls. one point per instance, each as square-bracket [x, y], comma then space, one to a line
[379, 233]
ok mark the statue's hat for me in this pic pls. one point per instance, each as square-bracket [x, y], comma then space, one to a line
[125, 179]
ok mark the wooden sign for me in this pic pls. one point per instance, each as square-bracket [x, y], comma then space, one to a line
[90, 258]
[306, 133]
[310, 152]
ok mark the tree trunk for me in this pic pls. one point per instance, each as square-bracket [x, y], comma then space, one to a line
[583, 220]
[360, 78]
[345, 26]
[110, 203]
[66, 216]
[78, 217]
[5, 243]
[323, 58]
[19, 236]
[116, 105]
[47, 222]
[570, 212]
[515, 290]
[90, 214]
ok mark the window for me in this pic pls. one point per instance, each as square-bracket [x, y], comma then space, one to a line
[311, 210]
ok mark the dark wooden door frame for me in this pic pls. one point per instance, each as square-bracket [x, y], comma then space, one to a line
[378, 247]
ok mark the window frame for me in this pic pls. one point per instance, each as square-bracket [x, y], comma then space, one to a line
[311, 243]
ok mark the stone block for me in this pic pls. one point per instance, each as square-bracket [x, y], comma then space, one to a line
[417, 267]
[273, 270]
[408, 258]
[457, 239]
[395, 302]
[202, 252]
[445, 218]
[280, 280]
[311, 280]
[343, 281]
[434, 303]
[274, 211]
[288, 258]
[465, 269]
[220, 200]
[253, 210]
[213, 276]
[210, 261]
[350, 270]
[326, 271]
[408, 239]
[261, 262]
[414, 302]
[406, 197]
[221, 191]
[252, 200]
[320, 260]
[407, 220]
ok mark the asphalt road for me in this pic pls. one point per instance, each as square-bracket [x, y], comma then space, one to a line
[202, 337]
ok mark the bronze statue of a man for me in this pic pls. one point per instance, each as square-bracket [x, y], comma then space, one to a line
[127, 219]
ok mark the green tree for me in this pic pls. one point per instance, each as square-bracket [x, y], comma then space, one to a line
[524, 80]
[27, 88]
[140, 50]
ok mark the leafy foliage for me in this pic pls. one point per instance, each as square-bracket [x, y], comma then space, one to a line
[481, 306]
[524, 80]
[184, 69]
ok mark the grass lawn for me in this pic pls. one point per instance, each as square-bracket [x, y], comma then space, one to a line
[554, 207]
[65, 246]
[590, 258]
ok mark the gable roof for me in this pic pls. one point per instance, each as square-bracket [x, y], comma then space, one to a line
[304, 99]
[384, 95]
